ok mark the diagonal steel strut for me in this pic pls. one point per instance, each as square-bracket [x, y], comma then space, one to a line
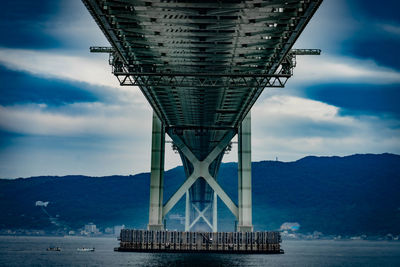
[201, 215]
[200, 169]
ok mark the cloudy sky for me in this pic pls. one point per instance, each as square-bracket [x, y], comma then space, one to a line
[62, 112]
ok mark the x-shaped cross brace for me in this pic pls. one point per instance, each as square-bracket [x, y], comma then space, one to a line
[200, 169]
[201, 215]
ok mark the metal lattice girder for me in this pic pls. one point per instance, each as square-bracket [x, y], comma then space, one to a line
[101, 49]
[201, 80]
[301, 52]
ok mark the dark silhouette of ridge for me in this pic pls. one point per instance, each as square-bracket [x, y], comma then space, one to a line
[357, 194]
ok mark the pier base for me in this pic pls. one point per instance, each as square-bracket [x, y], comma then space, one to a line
[202, 242]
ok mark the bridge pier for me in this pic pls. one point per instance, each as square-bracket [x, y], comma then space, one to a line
[157, 175]
[200, 169]
[244, 176]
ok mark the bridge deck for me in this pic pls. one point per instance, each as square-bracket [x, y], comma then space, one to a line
[210, 37]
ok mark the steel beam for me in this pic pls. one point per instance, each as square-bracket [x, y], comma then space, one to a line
[157, 175]
[244, 175]
[201, 169]
[187, 212]
[305, 52]
[178, 194]
[198, 80]
[203, 75]
[101, 49]
[200, 214]
[215, 213]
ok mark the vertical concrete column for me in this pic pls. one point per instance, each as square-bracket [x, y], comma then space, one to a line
[244, 175]
[187, 212]
[157, 175]
[215, 213]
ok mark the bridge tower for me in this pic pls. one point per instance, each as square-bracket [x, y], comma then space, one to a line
[205, 171]
[244, 176]
[157, 175]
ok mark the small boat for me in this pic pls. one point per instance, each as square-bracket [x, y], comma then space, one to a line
[53, 249]
[85, 249]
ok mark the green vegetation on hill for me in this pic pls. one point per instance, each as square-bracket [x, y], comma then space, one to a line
[357, 194]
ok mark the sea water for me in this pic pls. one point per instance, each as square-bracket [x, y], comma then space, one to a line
[31, 251]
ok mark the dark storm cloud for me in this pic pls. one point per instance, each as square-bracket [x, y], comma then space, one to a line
[22, 88]
[378, 36]
[377, 44]
[24, 23]
[359, 99]
[291, 128]
[387, 10]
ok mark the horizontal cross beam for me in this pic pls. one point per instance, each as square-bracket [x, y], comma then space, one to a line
[201, 80]
[203, 75]
[101, 49]
[304, 52]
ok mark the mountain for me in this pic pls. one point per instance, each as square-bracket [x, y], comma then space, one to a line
[350, 195]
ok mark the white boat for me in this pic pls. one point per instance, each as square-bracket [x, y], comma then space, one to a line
[85, 249]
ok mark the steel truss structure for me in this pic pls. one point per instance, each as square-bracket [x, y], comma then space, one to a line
[201, 65]
[198, 80]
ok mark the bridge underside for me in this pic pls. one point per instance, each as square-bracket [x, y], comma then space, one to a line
[201, 65]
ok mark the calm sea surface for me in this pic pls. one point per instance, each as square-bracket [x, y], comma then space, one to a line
[31, 251]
